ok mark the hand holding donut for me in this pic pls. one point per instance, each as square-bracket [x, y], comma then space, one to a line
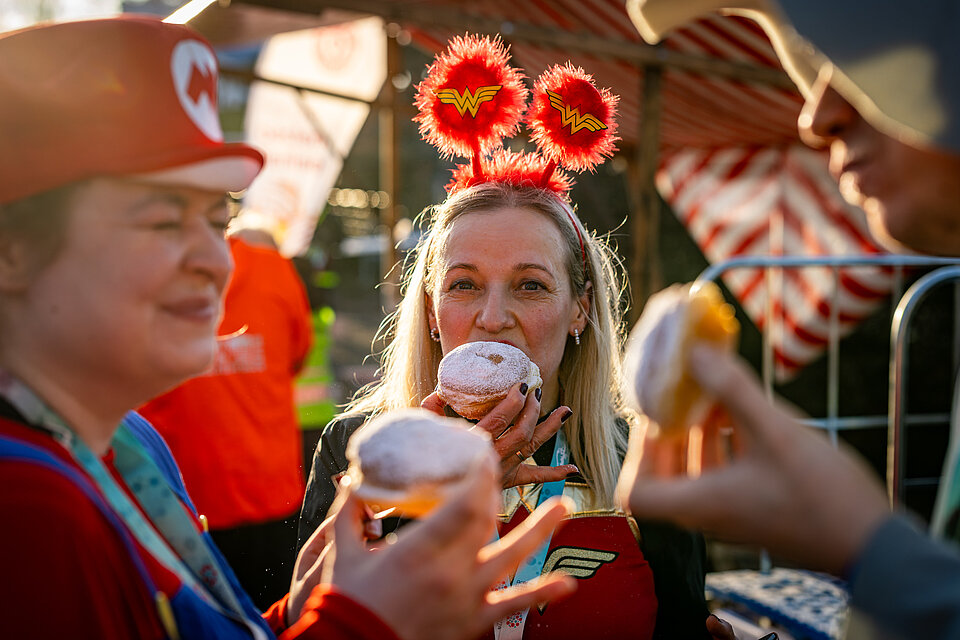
[513, 425]
[498, 384]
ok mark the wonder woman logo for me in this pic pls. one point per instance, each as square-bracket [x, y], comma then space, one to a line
[577, 562]
[468, 101]
[571, 115]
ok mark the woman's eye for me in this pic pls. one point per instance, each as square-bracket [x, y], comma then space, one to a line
[461, 285]
[167, 225]
[532, 285]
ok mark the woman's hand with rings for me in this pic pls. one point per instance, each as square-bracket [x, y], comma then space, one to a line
[516, 435]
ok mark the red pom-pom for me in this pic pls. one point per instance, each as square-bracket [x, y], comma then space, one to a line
[573, 123]
[471, 98]
[519, 169]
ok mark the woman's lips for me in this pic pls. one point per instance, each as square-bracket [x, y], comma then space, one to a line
[193, 309]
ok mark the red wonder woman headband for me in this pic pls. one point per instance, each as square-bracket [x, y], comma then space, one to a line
[472, 99]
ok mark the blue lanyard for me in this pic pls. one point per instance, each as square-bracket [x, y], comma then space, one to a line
[189, 558]
[511, 628]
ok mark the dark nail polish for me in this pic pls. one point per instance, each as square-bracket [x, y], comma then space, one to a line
[538, 393]
[567, 416]
[523, 389]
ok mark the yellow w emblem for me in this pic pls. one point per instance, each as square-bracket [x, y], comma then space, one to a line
[576, 562]
[571, 116]
[468, 101]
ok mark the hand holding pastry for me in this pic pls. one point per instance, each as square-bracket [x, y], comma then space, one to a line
[498, 385]
[772, 481]
[513, 424]
[409, 459]
[444, 560]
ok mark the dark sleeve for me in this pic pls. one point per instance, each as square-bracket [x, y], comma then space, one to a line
[908, 584]
[329, 460]
[677, 558]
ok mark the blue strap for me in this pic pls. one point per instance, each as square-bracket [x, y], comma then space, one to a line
[512, 627]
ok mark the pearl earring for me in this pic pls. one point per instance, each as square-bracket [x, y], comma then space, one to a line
[435, 335]
[576, 336]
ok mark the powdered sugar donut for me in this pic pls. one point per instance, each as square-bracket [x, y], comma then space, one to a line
[475, 377]
[407, 458]
[656, 381]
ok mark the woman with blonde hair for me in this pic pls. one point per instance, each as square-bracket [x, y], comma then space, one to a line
[506, 259]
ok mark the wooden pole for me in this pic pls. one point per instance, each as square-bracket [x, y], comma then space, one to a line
[390, 175]
[644, 271]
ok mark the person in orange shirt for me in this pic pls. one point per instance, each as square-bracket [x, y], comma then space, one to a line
[234, 429]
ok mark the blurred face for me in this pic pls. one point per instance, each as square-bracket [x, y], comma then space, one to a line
[911, 195]
[133, 297]
[502, 278]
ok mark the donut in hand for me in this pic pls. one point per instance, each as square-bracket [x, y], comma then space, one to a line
[656, 381]
[407, 459]
[476, 376]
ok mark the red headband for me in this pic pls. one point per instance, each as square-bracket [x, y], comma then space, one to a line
[472, 99]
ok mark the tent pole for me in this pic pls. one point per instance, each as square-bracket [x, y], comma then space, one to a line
[644, 271]
[390, 176]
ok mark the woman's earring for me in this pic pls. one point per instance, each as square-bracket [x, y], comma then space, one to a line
[435, 335]
[576, 336]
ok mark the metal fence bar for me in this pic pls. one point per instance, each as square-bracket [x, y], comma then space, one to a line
[872, 422]
[833, 360]
[897, 419]
[714, 271]
[896, 442]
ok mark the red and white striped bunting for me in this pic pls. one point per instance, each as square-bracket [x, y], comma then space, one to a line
[778, 202]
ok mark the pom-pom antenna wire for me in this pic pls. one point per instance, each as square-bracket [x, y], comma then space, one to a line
[515, 168]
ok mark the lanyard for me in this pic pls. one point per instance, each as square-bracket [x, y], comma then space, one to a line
[511, 627]
[183, 552]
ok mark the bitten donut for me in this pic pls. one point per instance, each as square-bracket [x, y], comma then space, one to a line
[408, 458]
[656, 380]
[475, 377]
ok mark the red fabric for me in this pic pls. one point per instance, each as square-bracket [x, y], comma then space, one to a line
[329, 615]
[234, 431]
[617, 601]
[67, 574]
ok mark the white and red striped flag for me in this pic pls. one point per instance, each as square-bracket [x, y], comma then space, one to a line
[778, 202]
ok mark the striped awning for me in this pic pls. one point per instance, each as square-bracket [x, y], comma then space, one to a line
[699, 110]
[730, 164]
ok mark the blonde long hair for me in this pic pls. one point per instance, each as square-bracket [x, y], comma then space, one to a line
[589, 374]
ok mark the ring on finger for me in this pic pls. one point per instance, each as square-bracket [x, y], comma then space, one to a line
[520, 456]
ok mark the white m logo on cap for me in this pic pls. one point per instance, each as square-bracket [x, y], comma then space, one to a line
[194, 70]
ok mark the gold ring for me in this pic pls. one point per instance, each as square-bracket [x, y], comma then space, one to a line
[519, 455]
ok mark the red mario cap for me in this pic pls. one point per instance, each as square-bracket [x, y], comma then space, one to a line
[119, 96]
